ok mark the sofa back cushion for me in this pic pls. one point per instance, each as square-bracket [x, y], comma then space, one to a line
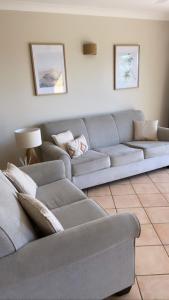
[16, 229]
[76, 126]
[124, 122]
[99, 131]
[102, 131]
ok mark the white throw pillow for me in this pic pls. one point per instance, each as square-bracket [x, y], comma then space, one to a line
[23, 182]
[63, 138]
[145, 130]
[40, 214]
[77, 147]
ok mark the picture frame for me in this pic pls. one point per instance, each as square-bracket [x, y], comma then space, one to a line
[49, 68]
[126, 66]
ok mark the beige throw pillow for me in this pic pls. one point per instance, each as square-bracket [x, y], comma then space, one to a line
[40, 214]
[77, 147]
[63, 138]
[23, 182]
[145, 130]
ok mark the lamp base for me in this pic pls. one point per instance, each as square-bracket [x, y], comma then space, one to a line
[32, 157]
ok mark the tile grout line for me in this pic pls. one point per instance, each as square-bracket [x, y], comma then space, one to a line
[153, 275]
[158, 274]
[112, 198]
[139, 288]
[142, 206]
[121, 195]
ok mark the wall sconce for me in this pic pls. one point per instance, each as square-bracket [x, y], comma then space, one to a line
[89, 49]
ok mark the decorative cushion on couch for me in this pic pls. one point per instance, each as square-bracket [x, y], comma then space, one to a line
[77, 147]
[90, 161]
[22, 181]
[145, 130]
[16, 229]
[45, 220]
[63, 138]
[122, 155]
[151, 149]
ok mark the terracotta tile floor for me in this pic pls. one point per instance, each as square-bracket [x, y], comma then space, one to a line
[147, 196]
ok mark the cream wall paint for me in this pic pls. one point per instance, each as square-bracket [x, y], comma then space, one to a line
[90, 78]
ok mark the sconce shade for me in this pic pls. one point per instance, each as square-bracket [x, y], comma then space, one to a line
[28, 138]
[89, 49]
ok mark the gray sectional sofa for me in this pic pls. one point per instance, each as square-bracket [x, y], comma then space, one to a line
[112, 152]
[91, 259]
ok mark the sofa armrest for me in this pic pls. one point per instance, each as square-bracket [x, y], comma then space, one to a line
[163, 134]
[46, 172]
[53, 152]
[49, 254]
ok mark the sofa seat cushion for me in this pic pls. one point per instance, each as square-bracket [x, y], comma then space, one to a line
[90, 161]
[151, 149]
[79, 213]
[122, 155]
[59, 193]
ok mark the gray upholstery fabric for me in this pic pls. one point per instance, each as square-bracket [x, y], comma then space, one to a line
[90, 278]
[6, 245]
[116, 173]
[15, 228]
[52, 152]
[59, 193]
[4, 179]
[90, 161]
[163, 134]
[76, 126]
[151, 149]
[78, 213]
[102, 131]
[124, 122]
[90, 261]
[46, 172]
[122, 155]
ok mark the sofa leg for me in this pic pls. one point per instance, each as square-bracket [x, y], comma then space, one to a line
[124, 292]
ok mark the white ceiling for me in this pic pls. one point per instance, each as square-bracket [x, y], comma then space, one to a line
[142, 9]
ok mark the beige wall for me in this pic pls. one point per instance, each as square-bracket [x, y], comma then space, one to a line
[90, 78]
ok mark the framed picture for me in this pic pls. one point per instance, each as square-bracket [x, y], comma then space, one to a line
[49, 69]
[126, 66]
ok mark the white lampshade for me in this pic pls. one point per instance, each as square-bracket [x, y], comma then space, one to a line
[28, 137]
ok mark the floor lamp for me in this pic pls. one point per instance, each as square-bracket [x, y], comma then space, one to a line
[29, 139]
